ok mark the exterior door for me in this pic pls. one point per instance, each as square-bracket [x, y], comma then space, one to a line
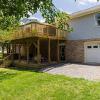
[62, 53]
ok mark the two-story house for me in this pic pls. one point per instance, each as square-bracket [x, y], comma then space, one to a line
[43, 43]
[83, 45]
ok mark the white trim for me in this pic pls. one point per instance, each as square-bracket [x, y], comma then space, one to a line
[85, 12]
[95, 21]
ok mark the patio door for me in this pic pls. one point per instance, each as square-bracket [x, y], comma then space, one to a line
[62, 53]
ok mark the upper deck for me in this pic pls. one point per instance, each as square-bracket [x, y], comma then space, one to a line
[42, 30]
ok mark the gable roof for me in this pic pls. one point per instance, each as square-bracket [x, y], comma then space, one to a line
[85, 12]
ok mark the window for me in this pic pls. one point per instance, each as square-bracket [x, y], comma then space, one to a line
[95, 46]
[89, 47]
[97, 17]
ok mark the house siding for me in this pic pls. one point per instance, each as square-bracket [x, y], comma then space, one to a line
[75, 50]
[84, 28]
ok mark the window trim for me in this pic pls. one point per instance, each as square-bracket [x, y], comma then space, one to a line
[89, 47]
[95, 46]
[96, 24]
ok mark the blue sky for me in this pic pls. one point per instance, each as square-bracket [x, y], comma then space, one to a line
[70, 6]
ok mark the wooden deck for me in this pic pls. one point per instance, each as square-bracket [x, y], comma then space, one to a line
[39, 42]
[41, 30]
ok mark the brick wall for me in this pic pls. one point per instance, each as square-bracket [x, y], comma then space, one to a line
[75, 51]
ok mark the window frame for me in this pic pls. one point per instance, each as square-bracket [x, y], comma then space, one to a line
[89, 47]
[96, 20]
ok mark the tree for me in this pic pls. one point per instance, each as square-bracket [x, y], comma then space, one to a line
[61, 20]
[16, 9]
[12, 10]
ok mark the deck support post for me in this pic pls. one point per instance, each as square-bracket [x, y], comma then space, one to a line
[19, 56]
[58, 52]
[27, 53]
[3, 51]
[9, 51]
[38, 51]
[12, 52]
[7, 48]
[15, 48]
[49, 51]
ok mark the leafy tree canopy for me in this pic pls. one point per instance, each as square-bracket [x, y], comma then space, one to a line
[61, 20]
[12, 10]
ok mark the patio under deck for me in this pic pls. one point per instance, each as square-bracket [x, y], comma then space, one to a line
[38, 43]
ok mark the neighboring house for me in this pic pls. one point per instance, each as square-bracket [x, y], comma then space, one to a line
[83, 45]
[27, 20]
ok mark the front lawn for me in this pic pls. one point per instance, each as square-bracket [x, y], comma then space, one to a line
[29, 85]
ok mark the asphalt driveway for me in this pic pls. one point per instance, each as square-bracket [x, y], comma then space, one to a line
[89, 72]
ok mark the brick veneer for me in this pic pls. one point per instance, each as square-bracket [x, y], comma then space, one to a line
[75, 51]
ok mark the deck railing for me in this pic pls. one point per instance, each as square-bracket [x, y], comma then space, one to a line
[38, 30]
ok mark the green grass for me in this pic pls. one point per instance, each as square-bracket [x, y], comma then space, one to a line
[29, 85]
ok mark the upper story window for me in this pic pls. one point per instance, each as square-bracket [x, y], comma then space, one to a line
[97, 17]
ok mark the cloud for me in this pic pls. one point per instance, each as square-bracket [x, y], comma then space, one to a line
[81, 3]
[85, 2]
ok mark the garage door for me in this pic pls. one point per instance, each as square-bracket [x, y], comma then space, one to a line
[92, 53]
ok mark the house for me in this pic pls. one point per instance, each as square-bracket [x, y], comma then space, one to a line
[38, 43]
[83, 45]
[27, 20]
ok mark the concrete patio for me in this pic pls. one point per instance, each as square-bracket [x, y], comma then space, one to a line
[89, 72]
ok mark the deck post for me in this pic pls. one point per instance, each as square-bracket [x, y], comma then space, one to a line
[38, 51]
[58, 53]
[7, 48]
[12, 52]
[3, 51]
[19, 56]
[27, 53]
[15, 48]
[49, 51]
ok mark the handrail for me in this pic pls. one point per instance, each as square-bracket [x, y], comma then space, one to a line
[38, 29]
[7, 57]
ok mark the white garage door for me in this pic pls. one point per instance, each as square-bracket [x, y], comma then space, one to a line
[92, 53]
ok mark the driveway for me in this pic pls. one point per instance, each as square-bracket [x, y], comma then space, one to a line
[89, 72]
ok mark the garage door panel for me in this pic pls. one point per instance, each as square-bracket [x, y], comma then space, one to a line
[92, 53]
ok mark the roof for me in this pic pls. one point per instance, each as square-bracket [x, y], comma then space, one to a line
[42, 23]
[85, 12]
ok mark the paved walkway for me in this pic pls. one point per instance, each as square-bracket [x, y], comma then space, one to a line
[89, 72]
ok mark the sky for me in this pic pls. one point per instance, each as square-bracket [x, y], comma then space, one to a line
[70, 6]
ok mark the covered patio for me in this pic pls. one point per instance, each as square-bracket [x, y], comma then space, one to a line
[38, 50]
